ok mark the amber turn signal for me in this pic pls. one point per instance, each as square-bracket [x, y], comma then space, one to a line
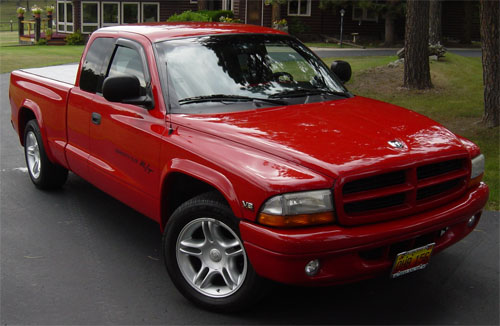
[296, 220]
[477, 180]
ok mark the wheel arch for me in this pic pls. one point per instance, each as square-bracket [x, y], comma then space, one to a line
[185, 179]
[30, 110]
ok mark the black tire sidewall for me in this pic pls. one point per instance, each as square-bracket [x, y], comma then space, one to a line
[189, 211]
[33, 127]
[51, 175]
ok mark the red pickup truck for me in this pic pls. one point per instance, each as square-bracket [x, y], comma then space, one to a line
[252, 156]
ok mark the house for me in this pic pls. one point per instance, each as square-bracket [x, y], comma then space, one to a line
[459, 17]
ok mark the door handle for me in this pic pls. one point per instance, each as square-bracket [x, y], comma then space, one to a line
[96, 118]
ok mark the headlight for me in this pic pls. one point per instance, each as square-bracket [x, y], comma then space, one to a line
[477, 164]
[477, 170]
[298, 209]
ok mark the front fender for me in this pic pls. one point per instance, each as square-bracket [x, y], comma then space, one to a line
[205, 174]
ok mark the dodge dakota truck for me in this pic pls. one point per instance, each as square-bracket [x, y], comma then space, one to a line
[255, 160]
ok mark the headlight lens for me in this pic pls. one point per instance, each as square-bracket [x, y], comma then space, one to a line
[477, 166]
[298, 209]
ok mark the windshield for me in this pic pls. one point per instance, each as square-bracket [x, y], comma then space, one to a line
[256, 69]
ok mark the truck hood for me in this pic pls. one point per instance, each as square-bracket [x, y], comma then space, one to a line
[336, 136]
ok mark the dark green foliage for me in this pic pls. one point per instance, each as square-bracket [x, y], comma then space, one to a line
[296, 26]
[42, 41]
[188, 16]
[75, 38]
[215, 15]
[201, 16]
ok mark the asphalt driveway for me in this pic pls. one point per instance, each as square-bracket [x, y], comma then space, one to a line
[77, 256]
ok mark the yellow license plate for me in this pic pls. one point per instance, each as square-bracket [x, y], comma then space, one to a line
[411, 261]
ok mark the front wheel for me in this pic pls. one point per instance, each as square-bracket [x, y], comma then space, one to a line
[205, 256]
[43, 173]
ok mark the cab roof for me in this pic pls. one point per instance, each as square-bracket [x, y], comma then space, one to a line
[164, 31]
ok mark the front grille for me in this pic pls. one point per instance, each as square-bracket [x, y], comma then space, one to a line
[377, 181]
[376, 203]
[438, 189]
[402, 192]
[432, 170]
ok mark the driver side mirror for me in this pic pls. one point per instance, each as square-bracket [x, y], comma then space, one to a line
[342, 69]
[125, 89]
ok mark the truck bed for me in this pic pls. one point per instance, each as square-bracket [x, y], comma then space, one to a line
[63, 73]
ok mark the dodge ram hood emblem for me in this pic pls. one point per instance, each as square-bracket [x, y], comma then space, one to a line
[396, 143]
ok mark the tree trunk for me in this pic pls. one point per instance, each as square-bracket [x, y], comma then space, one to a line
[490, 44]
[435, 22]
[467, 27]
[275, 12]
[390, 33]
[417, 73]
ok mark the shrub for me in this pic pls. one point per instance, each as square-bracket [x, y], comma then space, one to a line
[297, 27]
[229, 20]
[188, 16]
[41, 41]
[215, 15]
[75, 38]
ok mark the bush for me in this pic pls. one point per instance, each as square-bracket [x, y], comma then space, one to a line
[297, 27]
[229, 20]
[75, 38]
[188, 16]
[41, 41]
[215, 15]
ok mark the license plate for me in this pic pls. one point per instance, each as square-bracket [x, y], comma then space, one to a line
[411, 261]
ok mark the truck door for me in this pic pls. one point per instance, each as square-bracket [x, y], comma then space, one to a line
[79, 107]
[125, 139]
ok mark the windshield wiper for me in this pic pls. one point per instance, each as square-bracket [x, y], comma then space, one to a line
[308, 91]
[224, 97]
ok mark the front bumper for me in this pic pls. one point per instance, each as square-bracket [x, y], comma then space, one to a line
[349, 254]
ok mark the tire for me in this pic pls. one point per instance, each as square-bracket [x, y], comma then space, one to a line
[43, 173]
[205, 257]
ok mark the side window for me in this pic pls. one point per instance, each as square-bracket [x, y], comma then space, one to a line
[94, 66]
[127, 61]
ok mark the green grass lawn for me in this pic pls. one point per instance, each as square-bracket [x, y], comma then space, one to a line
[14, 56]
[456, 101]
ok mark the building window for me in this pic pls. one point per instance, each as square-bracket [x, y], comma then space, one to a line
[299, 8]
[90, 16]
[110, 13]
[130, 12]
[227, 5]
[150, 12]
[367, 14]
[65, 16]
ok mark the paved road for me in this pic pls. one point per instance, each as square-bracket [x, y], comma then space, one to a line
[77, 256]
[350, 52]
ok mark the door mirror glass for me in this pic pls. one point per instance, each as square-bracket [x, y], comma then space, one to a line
[342, 69]
[120, 88]
[126, 89]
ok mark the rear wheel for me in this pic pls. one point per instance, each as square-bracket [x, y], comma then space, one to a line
[43, 173]
[205, 256]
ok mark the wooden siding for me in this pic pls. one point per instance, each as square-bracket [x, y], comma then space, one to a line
[453, 20]
[170, 7]
[327, 22]
[77, 15]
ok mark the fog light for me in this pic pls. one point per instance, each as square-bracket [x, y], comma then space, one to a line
[471, 222]
[312, 267]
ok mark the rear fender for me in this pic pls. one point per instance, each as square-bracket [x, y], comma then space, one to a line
[22, 120]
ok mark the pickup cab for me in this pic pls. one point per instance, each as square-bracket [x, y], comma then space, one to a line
[255, 160]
